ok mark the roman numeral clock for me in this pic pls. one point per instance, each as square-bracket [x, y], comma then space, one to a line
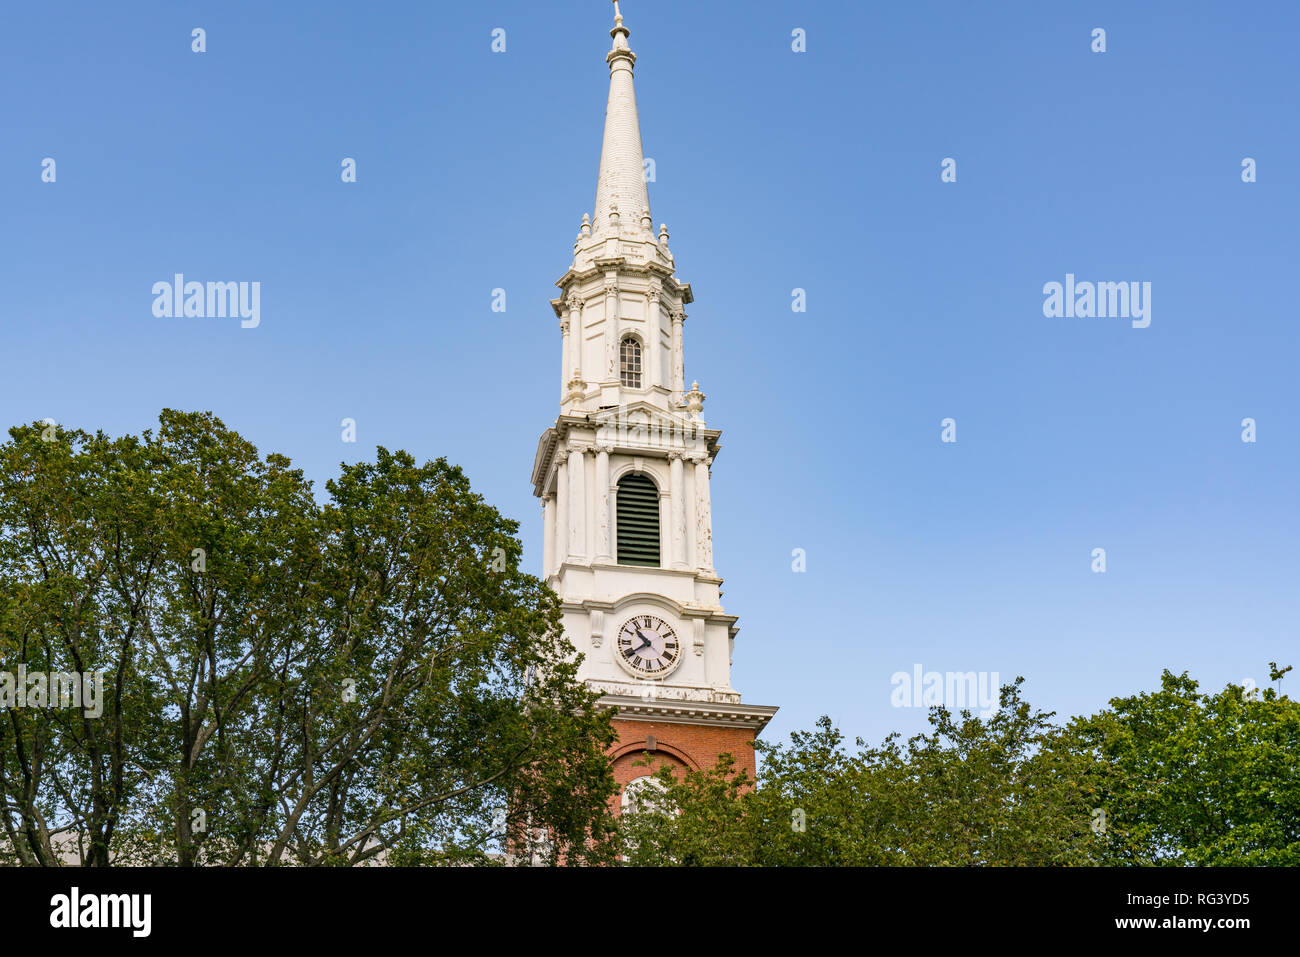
[623, 477]
[648, 646]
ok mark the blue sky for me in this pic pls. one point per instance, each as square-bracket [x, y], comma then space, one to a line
[774, 170]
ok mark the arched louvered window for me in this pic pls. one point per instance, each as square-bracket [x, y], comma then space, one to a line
[644, 795]
[637, 520]
[629, 362]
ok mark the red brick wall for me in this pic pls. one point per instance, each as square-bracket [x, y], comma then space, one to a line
[681, 745]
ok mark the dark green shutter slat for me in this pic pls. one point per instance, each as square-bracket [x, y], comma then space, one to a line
[637, 520]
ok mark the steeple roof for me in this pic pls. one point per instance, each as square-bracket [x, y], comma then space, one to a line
[619, 226]
[621, 185]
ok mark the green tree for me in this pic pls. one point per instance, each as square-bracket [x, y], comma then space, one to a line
[1172, 777]
[78, 549]
[999, 791]
[1211, 779]
[284, 681]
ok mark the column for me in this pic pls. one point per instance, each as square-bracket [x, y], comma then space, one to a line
[577, 506]
[548, 535]
[665, 528]
[611, 328]
[653, 337]
[603, 493]
[691, 550]
[573, 344]
[677, 494]
[679, 364]
[561, 513]
[703, 518]
[564, 356]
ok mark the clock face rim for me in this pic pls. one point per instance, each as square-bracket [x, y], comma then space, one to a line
[627, 665]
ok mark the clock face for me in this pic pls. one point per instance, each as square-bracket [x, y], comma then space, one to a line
[648, 645]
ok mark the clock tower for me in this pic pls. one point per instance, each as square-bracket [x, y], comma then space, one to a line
[623, 476]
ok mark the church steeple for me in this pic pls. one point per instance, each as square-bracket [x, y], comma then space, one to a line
[622, 201]
[624, 475]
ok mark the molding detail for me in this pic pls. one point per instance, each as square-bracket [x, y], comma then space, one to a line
[730, 715]
[647, 692]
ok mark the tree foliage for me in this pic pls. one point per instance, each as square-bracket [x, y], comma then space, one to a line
[284, 681]
[1174, 777]
[1208, 779]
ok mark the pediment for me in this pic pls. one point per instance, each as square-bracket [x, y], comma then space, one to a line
[633, 428]
[641, 426]
[641, 413]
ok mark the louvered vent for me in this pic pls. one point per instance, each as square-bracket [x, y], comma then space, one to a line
[638, 521]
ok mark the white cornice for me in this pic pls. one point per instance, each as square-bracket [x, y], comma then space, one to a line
[714, 614]
[755, 716]
[628, 267]
[542, 461]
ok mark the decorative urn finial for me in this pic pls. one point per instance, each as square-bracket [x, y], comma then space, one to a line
[695, 402]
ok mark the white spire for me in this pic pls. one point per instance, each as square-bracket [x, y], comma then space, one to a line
[621, 184]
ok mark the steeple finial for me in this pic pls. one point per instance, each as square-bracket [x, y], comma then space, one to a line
[620, 33]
